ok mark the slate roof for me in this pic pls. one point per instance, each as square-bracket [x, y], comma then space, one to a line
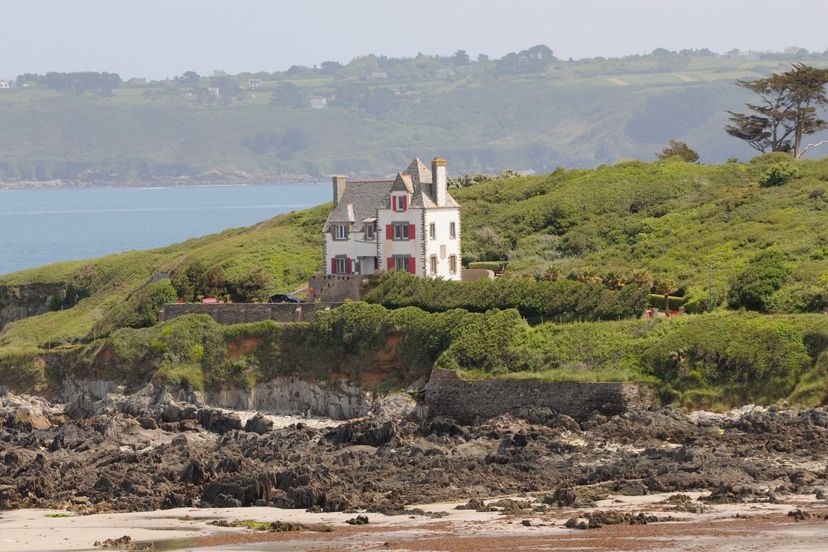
[359, 204]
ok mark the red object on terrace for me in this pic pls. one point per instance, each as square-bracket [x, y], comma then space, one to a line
[209, 300]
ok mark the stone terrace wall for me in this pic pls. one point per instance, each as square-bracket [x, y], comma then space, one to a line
[467, 401]
[18, 302]
[336, 288]
[239, 313]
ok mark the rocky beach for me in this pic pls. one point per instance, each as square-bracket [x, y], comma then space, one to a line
[166, 468]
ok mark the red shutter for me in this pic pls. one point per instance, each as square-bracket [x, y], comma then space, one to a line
[333, 266]
[412, 265]
[404, 203]
[410, 231]
[348, 265]
[390, 265]
[389, 232]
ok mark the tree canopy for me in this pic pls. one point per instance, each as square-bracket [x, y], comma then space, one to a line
[786, 113]
[676, 148]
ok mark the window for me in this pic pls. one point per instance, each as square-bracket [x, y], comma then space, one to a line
[452, 230]
[401, 263]
[341, 265]
[452, 263]
[432, 231]
[432, 264]
[340, 232]
[369, 232]
[401, 230]
[399, 203]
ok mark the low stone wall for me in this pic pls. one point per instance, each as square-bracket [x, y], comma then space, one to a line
[468, 401]
[18, 302]
[336, 288]
[239, 313]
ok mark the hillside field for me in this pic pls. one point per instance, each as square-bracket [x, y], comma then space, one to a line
[614, 228]
[482, 116]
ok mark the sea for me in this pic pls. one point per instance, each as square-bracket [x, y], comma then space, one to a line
[42, 226]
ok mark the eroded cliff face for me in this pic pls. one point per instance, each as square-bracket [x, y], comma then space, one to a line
[294, 395]
[18, 302]
[281, 395]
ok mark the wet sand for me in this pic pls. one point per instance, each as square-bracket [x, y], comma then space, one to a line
[721, 527]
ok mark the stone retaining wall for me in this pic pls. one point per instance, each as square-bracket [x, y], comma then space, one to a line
[336, 288]
[468, 401]
[239, 313]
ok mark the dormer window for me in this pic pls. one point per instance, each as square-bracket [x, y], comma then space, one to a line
[399, 203]
[369, 232]
[340, 232]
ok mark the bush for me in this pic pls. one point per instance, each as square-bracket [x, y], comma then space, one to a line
[752, 288]
[749, 357]
[534, 300]
[678, 150]
[141, 309]
[778, 174]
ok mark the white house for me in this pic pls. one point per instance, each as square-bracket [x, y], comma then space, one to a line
[410, 223]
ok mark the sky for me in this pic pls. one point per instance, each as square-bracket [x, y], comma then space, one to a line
[164, 38]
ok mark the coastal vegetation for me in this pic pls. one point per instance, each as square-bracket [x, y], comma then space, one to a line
[583, 253]
[712, 360]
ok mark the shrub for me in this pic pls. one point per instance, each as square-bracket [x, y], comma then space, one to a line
[778, 174]
[535, 300]
[679, 150]
[753, 287]
[141, 309]
[253, 287]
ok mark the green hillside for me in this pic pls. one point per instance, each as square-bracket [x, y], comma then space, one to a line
[696, 226]
[572, 238]
[522, 112]
[286, 247]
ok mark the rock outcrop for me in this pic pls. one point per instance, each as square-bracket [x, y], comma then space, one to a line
[18, 302]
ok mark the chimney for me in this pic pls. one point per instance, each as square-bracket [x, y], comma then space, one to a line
[339, 183]
[438, 180]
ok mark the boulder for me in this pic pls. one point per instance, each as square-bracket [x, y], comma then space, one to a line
[218, 421]
[258, 424]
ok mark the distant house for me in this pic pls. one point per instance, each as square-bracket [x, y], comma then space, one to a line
[254, 83]
[445, 73]
[410, 223]
[5, 84]
[378, 75]
[137, 81]
[318, 102]
[215, 91]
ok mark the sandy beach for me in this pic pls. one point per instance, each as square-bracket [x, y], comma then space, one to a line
[439, 526]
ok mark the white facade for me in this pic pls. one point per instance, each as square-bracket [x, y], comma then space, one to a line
[442, 252]
[410, 223]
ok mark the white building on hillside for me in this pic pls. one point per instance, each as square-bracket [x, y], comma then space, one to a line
[410, 223]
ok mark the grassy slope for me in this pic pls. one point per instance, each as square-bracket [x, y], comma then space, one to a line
[697, 224]
[693, 223]
[287, 246]
[686, 219]
[574, 115]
